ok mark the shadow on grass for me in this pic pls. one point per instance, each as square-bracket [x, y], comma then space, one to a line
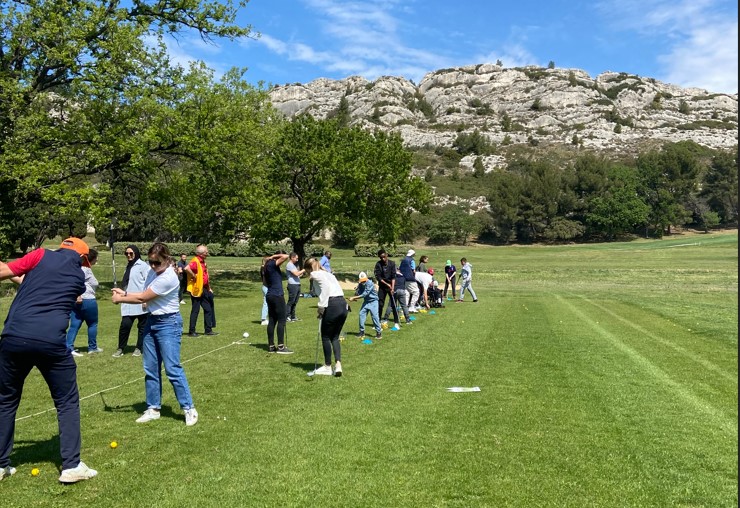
[34, 452]
[138, 408]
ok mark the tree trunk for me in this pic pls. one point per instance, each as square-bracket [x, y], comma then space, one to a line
[299, 247]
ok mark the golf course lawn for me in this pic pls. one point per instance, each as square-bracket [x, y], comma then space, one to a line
[607, 374]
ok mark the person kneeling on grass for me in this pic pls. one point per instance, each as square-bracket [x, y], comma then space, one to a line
[332, 313]
[162, 335]
[366, 291]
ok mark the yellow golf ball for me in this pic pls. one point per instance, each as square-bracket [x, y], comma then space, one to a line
[35, 471]
[113, 444]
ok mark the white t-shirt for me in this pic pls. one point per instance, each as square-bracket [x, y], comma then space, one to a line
[167, 286]
[424, 278]
[326, 286]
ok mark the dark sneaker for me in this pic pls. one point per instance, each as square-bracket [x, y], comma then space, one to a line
[193, 334]
[475, 300]
[378, 335]
[360, 336]
[272, 349]
[211, 333]
[283, 350]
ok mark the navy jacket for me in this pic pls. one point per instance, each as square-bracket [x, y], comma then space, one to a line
[41, 308]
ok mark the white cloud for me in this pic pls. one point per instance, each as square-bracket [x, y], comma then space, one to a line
[367, 38]
[700, 38]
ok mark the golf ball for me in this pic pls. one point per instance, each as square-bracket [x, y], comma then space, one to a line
[35, 471]
[245, 335]
[113, 444]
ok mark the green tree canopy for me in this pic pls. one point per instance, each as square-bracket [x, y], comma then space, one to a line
[322, 176]
[84, 90]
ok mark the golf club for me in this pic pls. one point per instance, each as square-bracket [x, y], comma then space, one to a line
[316, 360]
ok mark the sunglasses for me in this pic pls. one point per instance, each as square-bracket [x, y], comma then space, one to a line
[154, 262]
[129, 253]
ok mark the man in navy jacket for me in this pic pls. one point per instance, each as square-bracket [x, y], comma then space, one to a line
[35, 336]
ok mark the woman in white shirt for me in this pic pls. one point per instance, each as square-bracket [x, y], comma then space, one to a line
[162, 335]
[332, 312]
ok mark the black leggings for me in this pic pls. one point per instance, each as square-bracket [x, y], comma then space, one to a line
[276, 310]
[331, 326]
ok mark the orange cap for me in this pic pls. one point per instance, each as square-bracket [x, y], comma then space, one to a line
[77, 245]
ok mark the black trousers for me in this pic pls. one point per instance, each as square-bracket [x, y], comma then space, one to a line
[331, 326]
[276, 312]
[447, 283]
[209, 314]
[294, 292]
[57, 366]
[383, 291]
[124, 330]
[183, 287]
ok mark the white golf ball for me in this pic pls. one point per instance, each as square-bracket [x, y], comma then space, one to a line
[245, 335]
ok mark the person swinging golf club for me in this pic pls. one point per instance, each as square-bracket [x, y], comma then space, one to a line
[332, 311]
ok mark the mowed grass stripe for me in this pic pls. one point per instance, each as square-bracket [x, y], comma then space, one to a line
[721, 419]
[669, 343]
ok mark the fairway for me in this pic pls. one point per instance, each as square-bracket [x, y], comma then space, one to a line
[607, 374]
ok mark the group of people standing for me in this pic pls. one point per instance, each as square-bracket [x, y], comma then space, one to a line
[56, 294]
[332, 307]
[408, 287]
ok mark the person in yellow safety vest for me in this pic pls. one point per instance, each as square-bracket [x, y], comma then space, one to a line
[201, 294]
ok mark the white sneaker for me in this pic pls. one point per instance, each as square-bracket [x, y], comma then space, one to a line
[7, 471]
[191, 417]
[137, 352]
[76, 353]
[149, 415]
[265, 322]
[324, 370]
[338, 369]
[94, 351]
[77, 474]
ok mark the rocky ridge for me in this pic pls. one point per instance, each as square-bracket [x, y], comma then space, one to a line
[534, 105]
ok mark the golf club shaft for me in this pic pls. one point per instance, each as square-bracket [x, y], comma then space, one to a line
[318, 341]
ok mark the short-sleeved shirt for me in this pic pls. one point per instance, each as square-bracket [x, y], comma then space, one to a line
[194, 267]
[292, 279]
[424, 279]
[274, 279]
[324, 262]
[167, 287]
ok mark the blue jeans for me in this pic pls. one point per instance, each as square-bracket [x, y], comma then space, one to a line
[264, 303]
[162, 338]
[372, 308]
[86, 312]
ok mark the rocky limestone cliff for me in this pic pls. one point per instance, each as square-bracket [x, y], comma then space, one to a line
[614, 111]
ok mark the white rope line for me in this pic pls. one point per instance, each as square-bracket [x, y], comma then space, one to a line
[238, 342]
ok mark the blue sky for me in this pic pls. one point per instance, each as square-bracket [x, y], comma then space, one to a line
[691, 43]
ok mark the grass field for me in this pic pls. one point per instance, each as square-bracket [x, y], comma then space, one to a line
[607, 374]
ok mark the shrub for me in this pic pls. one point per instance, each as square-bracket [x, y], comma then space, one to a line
[367, 250]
